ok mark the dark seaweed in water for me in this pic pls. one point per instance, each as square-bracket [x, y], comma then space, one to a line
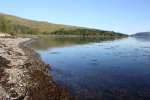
[44, 88]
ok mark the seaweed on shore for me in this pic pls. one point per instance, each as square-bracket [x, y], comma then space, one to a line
[43, 87]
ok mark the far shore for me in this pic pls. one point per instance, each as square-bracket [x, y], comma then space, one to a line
[61, 36]
[24, 76]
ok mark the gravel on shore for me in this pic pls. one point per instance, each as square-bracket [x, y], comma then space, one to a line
[23, 75]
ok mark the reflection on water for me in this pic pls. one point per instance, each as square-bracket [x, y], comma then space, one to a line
[47, 42]
[143, 38]
[95, 68]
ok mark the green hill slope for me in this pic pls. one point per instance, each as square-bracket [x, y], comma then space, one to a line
[37, 24]
[17, 25]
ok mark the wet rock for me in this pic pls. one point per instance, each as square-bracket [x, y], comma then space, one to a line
[3, 62]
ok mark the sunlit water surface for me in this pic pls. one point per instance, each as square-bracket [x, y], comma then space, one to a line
[96, 68]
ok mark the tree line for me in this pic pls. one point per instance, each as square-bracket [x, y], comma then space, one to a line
[85, 32]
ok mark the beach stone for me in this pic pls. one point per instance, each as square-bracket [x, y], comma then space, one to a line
[24, 75]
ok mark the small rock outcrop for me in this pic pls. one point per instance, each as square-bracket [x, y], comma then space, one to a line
[4, 34]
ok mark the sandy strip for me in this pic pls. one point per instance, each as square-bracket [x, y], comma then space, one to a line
[10, 50]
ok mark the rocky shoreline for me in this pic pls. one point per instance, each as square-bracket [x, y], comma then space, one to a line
[24, 76]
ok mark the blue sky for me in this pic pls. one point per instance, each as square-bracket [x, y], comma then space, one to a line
[126, 16]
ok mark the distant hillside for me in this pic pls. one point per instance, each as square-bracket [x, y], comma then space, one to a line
[18, 26]
[37, 24]
[142, 34]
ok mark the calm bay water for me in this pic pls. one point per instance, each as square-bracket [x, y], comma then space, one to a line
[99, 68]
